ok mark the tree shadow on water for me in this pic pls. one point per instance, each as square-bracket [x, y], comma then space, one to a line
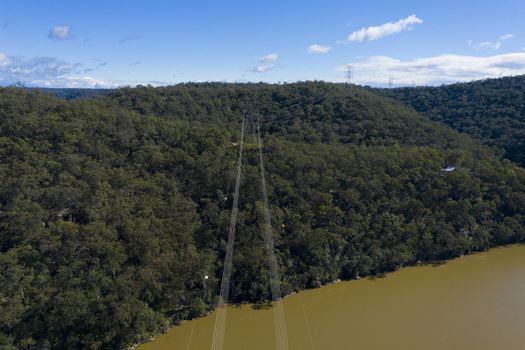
[262, 306]
[376, 276]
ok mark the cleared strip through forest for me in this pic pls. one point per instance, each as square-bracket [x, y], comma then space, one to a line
[220, 320]
[278, 313]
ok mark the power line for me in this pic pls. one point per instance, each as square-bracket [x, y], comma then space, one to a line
[219, 328]
[279, 321]
[278, 313]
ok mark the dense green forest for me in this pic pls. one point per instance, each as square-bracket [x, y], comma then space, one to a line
[73, 94]
[491, 110]
[113, 208]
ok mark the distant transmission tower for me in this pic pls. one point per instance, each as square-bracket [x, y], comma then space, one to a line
[390, 82]
[349, 71]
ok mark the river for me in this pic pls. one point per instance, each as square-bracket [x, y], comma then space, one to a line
[471, 303]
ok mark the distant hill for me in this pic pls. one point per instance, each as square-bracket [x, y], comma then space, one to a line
[308, 112]
[491, 110]
[73, 93]
[113, 208]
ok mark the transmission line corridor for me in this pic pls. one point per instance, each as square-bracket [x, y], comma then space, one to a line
[281, 336]
[278, 312]
[220, 320]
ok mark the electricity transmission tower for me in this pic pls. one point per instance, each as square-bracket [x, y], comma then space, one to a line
[349, 72]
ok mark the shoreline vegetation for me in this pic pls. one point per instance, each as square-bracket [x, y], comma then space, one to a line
[266, 305]
[114, 207]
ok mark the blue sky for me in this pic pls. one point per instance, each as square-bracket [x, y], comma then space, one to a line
[113, 43]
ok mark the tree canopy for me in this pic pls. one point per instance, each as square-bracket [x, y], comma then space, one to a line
[492, 110]
[113, 208]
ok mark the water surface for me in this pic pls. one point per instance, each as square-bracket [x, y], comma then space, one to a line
[472, 303]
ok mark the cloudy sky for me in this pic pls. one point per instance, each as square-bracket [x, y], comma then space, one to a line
[112, 43]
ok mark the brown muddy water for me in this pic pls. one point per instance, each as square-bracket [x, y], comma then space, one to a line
[472, 303]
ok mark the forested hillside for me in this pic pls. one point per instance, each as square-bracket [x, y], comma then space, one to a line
[112, 209]
[309, 112]
[491, 110]
[73, 94]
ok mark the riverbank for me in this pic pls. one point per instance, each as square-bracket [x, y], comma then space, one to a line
[473, 302]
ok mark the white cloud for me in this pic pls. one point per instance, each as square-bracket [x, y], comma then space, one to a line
[52, 72]
[263, 68]
[266, 64]
[437, 69]
[315, 48]
[60, 32]
[506, 37]
[268, 58]
[4, 60]
[486, 45]
[27, 69]
[491, 45]
[377, 32]
[77, 81]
